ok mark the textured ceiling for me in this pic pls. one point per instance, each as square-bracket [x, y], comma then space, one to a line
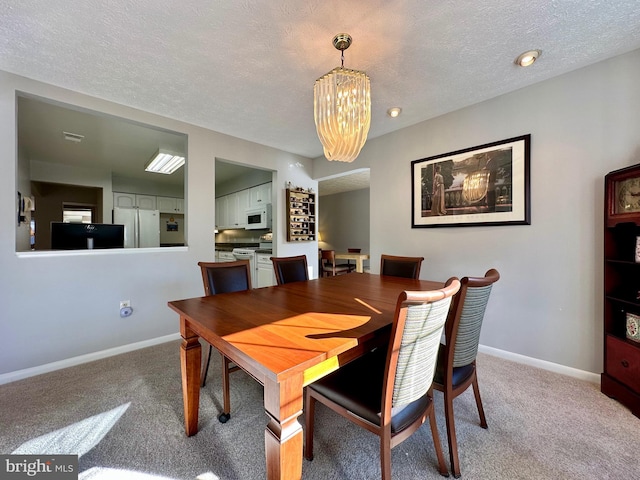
[247, 68]
[344, 183]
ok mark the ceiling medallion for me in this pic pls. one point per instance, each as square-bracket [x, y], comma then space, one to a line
[342, 108]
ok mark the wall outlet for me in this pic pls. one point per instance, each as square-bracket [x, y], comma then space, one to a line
[125, 303]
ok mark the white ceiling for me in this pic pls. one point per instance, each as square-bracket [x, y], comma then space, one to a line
[247, 68]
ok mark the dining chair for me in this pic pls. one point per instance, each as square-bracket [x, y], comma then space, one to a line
[290, 269]
[407, 267]
[388, 390]
[224, 277]
[456, 366]
[329, 266]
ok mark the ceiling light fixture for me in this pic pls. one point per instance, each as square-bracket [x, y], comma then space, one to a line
[73, 137]
[527, 58]
[394, 112]
[342, 108]
[164, 162]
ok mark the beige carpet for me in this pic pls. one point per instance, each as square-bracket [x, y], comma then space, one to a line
[123, 415]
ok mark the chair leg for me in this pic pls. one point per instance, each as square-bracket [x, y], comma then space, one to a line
[476, 393]
[309, 412]
[385, 456]
[451, 434]
[206, 369]
[226, 409]
[442, 465]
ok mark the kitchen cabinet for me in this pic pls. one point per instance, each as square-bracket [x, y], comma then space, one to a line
[230, 210]
[170, 204]
[266, 275]
[133, 200]
[259, 195]
[221, 212]
[301, 215]
[240, 205]
[621, 376]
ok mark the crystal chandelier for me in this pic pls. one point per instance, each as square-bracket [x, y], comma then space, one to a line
[342, 108]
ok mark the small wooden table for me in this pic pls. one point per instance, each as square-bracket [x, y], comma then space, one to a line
[286, 337]
[358, 257]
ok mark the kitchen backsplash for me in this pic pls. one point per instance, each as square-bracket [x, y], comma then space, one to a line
[239, 236]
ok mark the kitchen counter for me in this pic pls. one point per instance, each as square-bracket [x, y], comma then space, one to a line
[228, 247]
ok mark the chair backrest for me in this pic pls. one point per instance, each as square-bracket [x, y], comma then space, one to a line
[415, 340]
[462, 330]
[407, 267]
[225, 277]
[290, 269]
[328, 257]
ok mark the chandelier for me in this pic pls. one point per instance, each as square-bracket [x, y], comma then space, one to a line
[342, 108]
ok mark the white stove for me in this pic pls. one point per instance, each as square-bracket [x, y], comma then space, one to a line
[249, 253]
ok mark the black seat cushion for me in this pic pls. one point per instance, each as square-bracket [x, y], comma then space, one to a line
[460, 374]
[357, 386]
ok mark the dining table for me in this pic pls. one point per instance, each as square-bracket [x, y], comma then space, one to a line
[286, 337]
[359, 258]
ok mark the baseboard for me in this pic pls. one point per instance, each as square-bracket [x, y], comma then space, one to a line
[534, 362]
[89, 357]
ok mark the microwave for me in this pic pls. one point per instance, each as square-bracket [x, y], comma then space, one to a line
[258, 217]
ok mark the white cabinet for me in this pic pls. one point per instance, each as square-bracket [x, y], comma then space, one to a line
[148, 202]
[222, 212]
[170, 204]
[230, 209]
[133, 200]
[260, 194]
[124, 200]
[237, 205]
[266, 276]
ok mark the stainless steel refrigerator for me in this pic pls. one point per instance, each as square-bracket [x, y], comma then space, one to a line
[141, 227]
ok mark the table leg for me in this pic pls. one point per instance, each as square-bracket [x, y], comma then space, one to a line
[283, 435]
[359, 265]
[190, 357]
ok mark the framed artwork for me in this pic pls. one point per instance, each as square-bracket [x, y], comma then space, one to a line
[484, 185]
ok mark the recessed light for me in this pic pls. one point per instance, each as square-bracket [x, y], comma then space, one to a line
[527, 58]
[394, 112]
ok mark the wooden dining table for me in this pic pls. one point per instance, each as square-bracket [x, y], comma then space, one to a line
[286, 337]
[359, 258]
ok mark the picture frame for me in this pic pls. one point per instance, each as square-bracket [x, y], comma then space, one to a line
[485, 185]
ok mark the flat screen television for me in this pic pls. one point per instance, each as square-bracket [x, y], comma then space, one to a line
[83, 236]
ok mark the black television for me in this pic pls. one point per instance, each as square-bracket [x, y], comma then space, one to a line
[83, 236]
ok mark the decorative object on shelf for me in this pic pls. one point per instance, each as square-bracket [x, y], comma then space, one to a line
[484, 185]
[620, 378]
[633, 327]
[623, 195]
[342, 108]
[301, 215]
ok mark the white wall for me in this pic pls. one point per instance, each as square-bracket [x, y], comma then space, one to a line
[343, 220]
[56, 306]
[548, 303]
